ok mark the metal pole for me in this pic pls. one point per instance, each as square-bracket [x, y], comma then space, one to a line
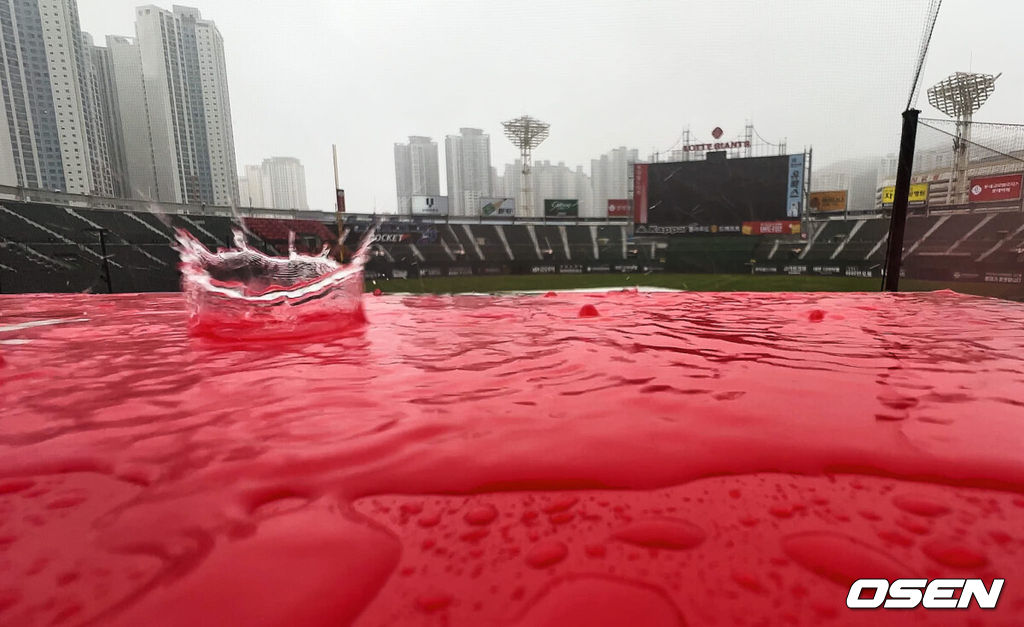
[898, 224]
[106, 265]
[339, 221]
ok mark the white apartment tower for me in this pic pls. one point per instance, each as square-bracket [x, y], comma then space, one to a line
[278, 183]
[172, 90]
[416, 171]
[285, 180]
[609, 177]
[51, 135]
[468, 157]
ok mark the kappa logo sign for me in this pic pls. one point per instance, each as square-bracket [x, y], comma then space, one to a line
[939, 594]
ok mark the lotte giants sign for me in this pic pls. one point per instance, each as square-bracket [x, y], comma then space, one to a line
[996, 188]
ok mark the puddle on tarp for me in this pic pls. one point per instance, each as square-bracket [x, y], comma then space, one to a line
[475, 460]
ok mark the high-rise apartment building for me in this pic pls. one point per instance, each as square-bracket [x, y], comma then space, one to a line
[468, 157]
[278, 183]
[110, 113]
[175, 110]
[610, 177]
[416, 171]
[53, 136]
[286, 180]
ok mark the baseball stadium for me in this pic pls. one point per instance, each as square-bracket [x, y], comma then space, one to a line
[732, 382]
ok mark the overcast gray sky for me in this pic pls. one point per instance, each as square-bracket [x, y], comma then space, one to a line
[832, 74]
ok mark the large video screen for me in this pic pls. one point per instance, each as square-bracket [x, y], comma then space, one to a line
[720, 193]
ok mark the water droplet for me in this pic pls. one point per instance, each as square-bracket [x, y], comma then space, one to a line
[816, 315]
[475, 535]
[600, 601]
[588, 311]
[895, 537]
[747, 582]
[550, 295]
[482, 515]
[560, 505]
[913, 526]
[892, 417]
[897, 401]
[433, 601]
[546, 553]
[429, 520]
[951, 553]
[665, 533]
[919, 506]
[15, 485]
[840, 558]
[377, 292]
[65, 502]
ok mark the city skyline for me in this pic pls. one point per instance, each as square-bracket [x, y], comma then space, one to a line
[799, 91]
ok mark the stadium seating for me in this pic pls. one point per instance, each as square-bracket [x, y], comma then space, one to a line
[56, 248]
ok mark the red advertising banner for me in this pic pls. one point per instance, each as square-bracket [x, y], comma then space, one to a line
[996, 188]
[341, 201]
[640, 193]
[783, 227]
[619, 208]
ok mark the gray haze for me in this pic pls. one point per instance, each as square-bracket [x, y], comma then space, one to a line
[824, 73]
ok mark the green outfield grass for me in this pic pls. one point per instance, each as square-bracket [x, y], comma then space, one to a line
[694, 282]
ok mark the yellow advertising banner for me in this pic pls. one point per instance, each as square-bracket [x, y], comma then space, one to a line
[918, 194]
[828, 202]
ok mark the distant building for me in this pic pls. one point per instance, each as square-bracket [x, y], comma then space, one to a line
[286, 179]
[277, 183]
[244, 199]
[110, 164]
[417, 171]
[51, 134]
[468, 160]
[609, 177]
[172, 91]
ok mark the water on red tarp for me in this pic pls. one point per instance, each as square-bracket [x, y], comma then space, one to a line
[700, 459]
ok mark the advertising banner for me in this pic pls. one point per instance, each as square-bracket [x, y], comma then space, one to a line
[497, 207]
[995, 188]
[640, 193]
[795, 190]
[782, 227]
[568, 208]
[429, 205]
[619, 208]
[918, 194]
[828, 202]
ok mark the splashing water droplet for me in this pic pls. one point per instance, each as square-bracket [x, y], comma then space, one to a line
[244, 294]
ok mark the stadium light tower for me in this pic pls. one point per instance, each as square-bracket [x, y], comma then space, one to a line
[959, 96]
[526, 133]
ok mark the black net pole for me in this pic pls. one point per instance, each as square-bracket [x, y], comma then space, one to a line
[106, 264]
[898, 224]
